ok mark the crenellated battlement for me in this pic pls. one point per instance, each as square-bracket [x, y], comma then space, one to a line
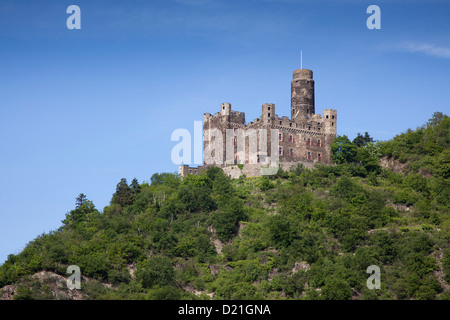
[305, 137]
[226, 114]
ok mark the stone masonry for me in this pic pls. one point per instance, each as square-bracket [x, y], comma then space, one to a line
[304, 138]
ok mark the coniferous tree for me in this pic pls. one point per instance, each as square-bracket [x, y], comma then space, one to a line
[83, 207]
[135, 188]
[362, 140]
[123, 195]
[80, 200]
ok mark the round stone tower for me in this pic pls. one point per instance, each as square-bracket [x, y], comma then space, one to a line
[302, 95]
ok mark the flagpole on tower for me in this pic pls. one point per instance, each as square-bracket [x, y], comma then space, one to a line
[301, 59]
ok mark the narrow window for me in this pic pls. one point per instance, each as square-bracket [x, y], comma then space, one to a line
[280, 151]
[268, 108]
[327, 116]
[308, 142]
[332, 117]
[268, 114]
[290, 124]
[280, 137]
[291, 138]
[309, 155]
[281, 123]
[291, 152]
[319, 143]
[332, 124]
[319, 157]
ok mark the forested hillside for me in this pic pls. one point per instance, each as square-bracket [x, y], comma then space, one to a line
[304, 234]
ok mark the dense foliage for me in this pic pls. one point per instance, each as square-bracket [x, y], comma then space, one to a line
[303, 234]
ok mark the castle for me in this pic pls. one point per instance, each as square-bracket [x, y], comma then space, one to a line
[304, 138]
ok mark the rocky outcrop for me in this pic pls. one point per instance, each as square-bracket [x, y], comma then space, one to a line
[392, 164]
[55, 285]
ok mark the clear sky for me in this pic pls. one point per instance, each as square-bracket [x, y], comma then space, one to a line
[81, 109]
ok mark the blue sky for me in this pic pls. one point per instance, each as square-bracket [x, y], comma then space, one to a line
[80, 109]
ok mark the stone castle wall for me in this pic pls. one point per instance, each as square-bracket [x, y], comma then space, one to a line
[304, 138]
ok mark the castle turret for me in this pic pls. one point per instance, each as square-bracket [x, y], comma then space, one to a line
[225, 109]
[329, 121]
[302, 95]
[268, 113]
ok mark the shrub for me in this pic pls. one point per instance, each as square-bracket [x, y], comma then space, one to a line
[157, 270]
[336, 289]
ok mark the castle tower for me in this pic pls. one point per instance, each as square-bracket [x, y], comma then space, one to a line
[302, 95]
[225, 109]
[268, 113]
[329, 121]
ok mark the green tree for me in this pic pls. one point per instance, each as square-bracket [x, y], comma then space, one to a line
[265, 184]
[123, 195]
[83, 210]
[214, 172]
[435, 119]
[347, 189]
[94, 265]
[169, 179]
[370, 161]
[164, 293]
[222, 188]
[80, 200]
[416, 182]
[281, 230]
[135, 188]
[446, 265]
[362, 140]
[442, 164]
[343, 150]
[157, 270]
[196, 198]
[226, 218]
[336, 289]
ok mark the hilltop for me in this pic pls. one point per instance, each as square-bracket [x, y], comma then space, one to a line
[302, 234]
